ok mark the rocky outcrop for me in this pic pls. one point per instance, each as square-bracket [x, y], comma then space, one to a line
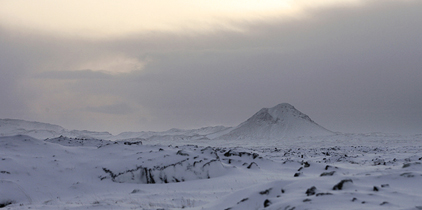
[173, 166]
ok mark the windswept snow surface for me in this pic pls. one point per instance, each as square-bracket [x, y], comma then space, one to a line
[342, 171]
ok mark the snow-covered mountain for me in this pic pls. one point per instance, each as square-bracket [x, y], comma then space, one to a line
[39, 130]
[281, 121]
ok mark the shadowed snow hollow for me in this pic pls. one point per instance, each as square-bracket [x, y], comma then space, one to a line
[281, 121]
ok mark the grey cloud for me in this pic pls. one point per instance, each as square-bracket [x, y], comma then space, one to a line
[115, 109]
[351, 69]
[73, 75]
[12, 68]
[360, 64]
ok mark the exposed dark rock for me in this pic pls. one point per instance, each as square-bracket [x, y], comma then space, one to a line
[375, 189]
[6, 203]
[321, 194]
[410, 164]
[240, 154]
[383, 203]
[311, 191]
[181, 152]
[328, 173]
[307, 200]
[112, 175]
[328, 166]
[243, 200]
[385, 185]
[300, 169]
[199, 168]
[297, 174]
[252, 165]
[354, 199]
[407, 174]
[130, 143]
[147, 174]
[4, 172]
[282, 190]
[228, 154]
[306, 164]
[266, 192]
[135, 191]
[267, 203]
[289, 207]
[339, 186]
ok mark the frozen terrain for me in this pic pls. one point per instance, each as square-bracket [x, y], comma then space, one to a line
[204, 169]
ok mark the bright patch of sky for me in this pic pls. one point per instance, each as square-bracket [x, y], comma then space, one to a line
[105, 19]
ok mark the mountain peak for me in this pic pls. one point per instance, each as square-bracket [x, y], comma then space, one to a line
[283, 106]
[280, 108]
[279, 112]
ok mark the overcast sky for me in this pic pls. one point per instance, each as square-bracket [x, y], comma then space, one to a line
[354, 66]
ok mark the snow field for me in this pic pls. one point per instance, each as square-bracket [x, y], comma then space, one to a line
[70, 174]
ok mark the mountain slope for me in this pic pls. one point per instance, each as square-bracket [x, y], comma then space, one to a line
[281, 121]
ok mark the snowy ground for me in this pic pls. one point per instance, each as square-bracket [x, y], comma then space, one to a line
[371, 171]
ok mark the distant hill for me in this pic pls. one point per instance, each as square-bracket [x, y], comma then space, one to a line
[177, 134]
[39, 130]
[278, 122]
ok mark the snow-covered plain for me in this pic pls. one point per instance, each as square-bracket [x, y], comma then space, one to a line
[385, 172]
[331, 171]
